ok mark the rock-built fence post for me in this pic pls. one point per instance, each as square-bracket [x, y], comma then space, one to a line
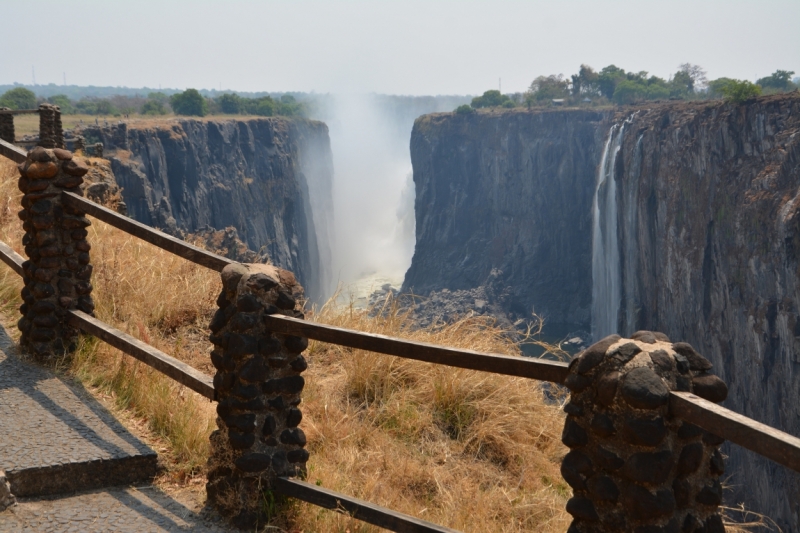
[6, 125]
[258, 387]
[632, 466]
[57, 275]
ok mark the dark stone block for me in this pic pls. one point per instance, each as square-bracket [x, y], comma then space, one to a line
[221, 317]
[682, 364]
[577, 383]
[297, 456]
[642, 388]
[574, 435]
[645, 505]
[696, 361]
[241, 345]
[295, 344]
[43, 221]
[261, 282]
[247, 304]
[216, 359]
[222, 301]
[277, 403]
[41, 208]
[662, 360]
[64, 286]
[644, 431]
[608, 459]
[299, 364]
[710, 494]
[571, 408]
[83, 287]
[717, 464]
[255, 370]
[223, 381]
[241, 441]
[268, 345]
[83, 258]
[83, 246]
[277, 361]
[710, 387]
[79, 234]
[269, 425]
[690, 459]
[607, 388]
[603, 488]
[602, 425]
[220, 340]
[594, 354]
[626, 352]
[714, 524]
[242, 321]
[45, 321]
[256, 404]
[288, 385]
[86, 304]
[293, 436]
[44, 274]
[647, 467]
[689, 431]
[644, 336]
[582, 509]
[246, 423]
[43, 290]
[269, 441]
[280, 464]
[683, 384]
[285, 301]
[85, 273]
[43, 307]
[253, 462]
[294, 417]
[683, 493]
[246, 392]
[691, 524]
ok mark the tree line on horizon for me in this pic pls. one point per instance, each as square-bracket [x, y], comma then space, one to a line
[188, 103]
[613, 85]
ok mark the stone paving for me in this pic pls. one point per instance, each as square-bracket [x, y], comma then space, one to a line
[131, 509]
[55, 437]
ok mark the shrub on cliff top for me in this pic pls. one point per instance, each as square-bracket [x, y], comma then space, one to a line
[737, 91]
[189, 102]
[464, 109]
[19, 98]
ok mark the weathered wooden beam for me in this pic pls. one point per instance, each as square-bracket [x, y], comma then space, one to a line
[19, 111]
[359, 509]
[17, 155]
[746, 432]
[526, 367]
[169, 366]
[146, 233]
[11, 258]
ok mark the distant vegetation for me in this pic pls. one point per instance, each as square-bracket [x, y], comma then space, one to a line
[190, 102]
[613, 85]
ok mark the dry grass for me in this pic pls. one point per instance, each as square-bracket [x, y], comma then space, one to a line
[473, 451]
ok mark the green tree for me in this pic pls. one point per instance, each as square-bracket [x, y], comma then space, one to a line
[715, 87]
[190, 103]
[778, 81]
[681, 85]
[62, 101]
[154, 107]
[464, 109]
[18, 98]
[738, 91]
[585, 82]
[629, 91]
[105, 107]
[492, 98]
[546, 88]
[608, 79]
[230, 103]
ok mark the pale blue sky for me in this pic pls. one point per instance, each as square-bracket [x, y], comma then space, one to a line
[400, 47]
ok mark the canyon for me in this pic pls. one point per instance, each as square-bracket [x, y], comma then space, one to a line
[680, 217]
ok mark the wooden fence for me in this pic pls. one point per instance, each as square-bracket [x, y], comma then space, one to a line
[767, 441]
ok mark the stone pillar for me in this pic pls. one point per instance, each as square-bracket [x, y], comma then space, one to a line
[47, 126]
[57, 274]
[6, 125]
[98, 150]
[80, 144]
[258, 386]
[632, 466]
[58, 128]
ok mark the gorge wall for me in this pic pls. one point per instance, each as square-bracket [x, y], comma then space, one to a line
[707, 211]
[270, 178]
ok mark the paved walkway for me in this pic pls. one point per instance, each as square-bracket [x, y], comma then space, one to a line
[142, 509]
[55, 437]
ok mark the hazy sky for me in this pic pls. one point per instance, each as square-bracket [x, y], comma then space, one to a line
[399, 47]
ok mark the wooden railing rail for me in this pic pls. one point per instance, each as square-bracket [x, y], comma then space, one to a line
[167, 365]
[359, 509]
[18, 111]
[525, 367]
[171, 244]
[17, 155]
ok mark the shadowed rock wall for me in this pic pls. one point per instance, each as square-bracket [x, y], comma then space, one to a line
[260, 176]
[708, 199]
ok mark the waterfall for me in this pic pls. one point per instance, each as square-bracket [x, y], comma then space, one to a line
[606, 274]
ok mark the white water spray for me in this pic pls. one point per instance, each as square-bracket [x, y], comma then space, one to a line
[606, 275]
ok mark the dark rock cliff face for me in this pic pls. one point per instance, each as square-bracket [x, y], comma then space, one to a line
[708, 217]
[260, 176]
[504, 200]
